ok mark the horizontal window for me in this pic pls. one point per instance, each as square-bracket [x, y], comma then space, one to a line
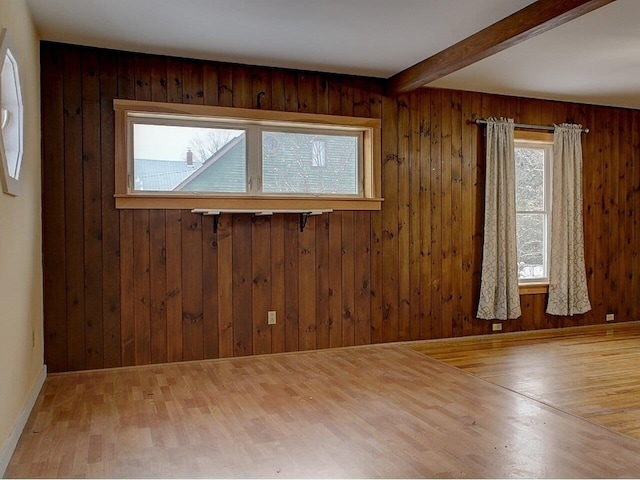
[186, 156]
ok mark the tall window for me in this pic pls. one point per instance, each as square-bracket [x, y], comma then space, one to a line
[533, 209]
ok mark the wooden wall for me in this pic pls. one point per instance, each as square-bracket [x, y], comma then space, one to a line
[132, 287]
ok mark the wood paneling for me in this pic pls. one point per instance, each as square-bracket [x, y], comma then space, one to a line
[125, 287]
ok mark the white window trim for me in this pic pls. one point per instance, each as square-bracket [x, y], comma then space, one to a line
[370, 171]
[524, 139]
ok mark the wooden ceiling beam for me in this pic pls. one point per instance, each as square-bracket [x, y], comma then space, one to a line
[524, 24]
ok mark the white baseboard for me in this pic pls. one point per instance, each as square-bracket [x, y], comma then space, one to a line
[12, 441]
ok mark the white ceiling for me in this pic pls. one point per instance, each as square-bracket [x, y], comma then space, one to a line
[593, 59]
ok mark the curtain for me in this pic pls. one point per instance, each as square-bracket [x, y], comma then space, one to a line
[499, 297]
[568, 293]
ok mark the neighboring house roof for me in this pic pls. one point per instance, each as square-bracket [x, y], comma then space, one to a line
[224, 171]
[161, 175]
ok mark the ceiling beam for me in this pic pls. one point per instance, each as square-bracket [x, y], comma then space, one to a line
[532, 20]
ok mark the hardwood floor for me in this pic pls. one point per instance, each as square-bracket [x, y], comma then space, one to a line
[592, 372]
[374, 411]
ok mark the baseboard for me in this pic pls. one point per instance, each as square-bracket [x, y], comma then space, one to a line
[12, 441]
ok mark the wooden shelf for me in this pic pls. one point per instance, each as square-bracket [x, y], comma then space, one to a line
[304, 214]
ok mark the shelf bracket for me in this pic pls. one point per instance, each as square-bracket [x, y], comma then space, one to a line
[304, 216]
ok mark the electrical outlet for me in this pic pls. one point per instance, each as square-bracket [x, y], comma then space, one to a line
[610, 317]
[496, 327]
[271, 317]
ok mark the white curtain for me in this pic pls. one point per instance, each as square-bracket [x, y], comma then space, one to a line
[499, 297]
[568, 293]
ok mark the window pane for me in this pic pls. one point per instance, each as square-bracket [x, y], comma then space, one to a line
[11, 114]
[188, 159]
[529, 179]
[531, 245]
[308, 163]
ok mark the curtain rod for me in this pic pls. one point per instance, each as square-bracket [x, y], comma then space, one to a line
[526, 126]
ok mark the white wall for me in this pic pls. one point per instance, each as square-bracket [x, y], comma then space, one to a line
[21, 325]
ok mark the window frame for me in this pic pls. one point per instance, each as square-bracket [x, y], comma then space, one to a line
[126, 197]
[539, 139]
[11, 111]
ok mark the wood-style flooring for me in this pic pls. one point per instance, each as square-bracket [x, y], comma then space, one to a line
[592, 372]
[374, 411]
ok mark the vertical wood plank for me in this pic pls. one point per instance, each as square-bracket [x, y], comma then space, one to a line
[322, 94]
[291, 283]
[635, 207]
[321, 247]
[74, 208]
[261, 283]
[174, 80]
[466, 216]
[141, 287]
[158, 66]
[335, 279]
[192, 82]
[210, 288]
[348, 278]
[375, 327]
[158, 286]
[335, 97]
[390, 253]
[225, 286]
[277, 90]
[446, 218]
[404, 237]
[127, 295]
[290, 92]
[306, 93]
[53, 211]
[210, 84]
[415, 218]
[242, 306]
[424, 97]
[92, 211]
[362, 307]
[241, 87]
[225, 86]
[173, 239]
[142, 77]
[478, 175]
[278, 283]
[110, 216]
[457, 160]
[307, 286]
[192, 325]
[436, 214]
[261, 88]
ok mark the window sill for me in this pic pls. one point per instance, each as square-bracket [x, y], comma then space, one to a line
[190, 202]
[533, 288]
